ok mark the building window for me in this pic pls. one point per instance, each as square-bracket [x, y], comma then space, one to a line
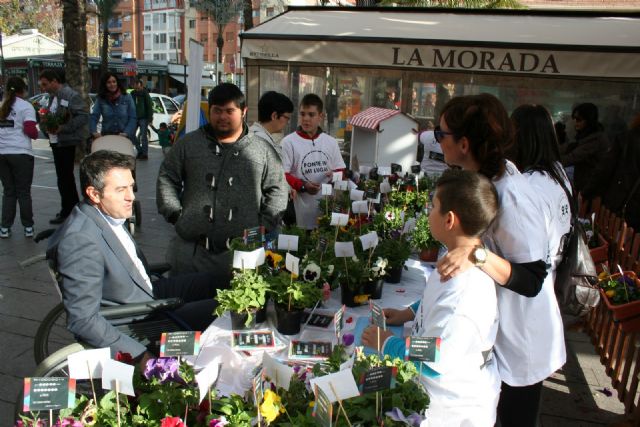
[126, 36]
[192, 23]
[126, 18]
[270, 12]
[230, 37]
[204, 38]
[148, 41]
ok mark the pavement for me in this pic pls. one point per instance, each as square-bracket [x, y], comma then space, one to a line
[574, 396]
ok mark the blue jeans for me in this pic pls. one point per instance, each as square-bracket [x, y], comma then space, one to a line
[142, 142]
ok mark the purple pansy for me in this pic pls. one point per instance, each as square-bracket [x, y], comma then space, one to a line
[413, 419]
[163, 368]
[348, 339]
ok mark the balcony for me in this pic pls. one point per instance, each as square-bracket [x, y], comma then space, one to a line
[115, 23]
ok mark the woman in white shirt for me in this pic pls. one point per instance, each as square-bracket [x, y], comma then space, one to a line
[475, 132]
[17, 129]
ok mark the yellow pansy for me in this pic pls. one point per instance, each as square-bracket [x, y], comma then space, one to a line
[273, 259]
[271, 406]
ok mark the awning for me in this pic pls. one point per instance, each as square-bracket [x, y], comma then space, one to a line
[372, 117]
[522, 42]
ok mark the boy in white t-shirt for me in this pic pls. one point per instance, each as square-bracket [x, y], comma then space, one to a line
[310, 157]
[464, 384]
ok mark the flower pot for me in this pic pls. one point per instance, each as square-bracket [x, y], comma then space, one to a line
[429, 254]
[353, 297]
[627, 314]
[261, 314]
[374, 288]
[394, 274]
[600, 254]
[288, 322]
[239, 320]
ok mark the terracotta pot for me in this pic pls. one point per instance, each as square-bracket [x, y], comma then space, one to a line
[374, 288]
[288, 322]
[600, 254]
[239, 320]
[627, 314]
[429, 254]
[394, 275]
[353, 297]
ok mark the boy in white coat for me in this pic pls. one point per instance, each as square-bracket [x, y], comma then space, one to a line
[464, 384]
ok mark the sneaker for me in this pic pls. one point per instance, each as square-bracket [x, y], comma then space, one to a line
[28, 232]
[5, 233]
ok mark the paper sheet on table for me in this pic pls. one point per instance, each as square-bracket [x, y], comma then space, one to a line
[207, 376]
[112, 372]
[342, 382]
[288, 242]
[85, 361]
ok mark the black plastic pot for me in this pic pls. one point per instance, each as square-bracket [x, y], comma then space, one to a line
[288, 322]
[261, 314]
[353, 297]
[239, 320]
[374, 288]
[394, 275]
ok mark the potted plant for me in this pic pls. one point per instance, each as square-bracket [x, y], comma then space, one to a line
[246, 295]
[621, 295]
[361, 277]
[292, 295]
[396, 250]
[422, 240]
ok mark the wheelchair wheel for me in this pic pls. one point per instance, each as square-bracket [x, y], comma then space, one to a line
[52, 335]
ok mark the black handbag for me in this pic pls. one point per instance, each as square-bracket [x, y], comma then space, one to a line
[576, 283]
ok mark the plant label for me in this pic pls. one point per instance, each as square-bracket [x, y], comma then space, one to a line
[424, 349]
[87, 364]
[409, 226]
[337, 176]
[360, 207]
[323, 408]
[377, 316]
[322, 244]
[384, 170]
[287, 242]
[253, 235]
[344, 249]
[184, 343]
[338, 321]
[327, 190]
[259, 339]
[349, 363]
[256, 385]
[378, 378]
[277, 372]
[342, 382]
[415, 169]
[44, 394]
[369, 240]
[339, 219]
[292, 263]
[244, 260]
[207, 376]
[317, 320]
[396, 168]
[341, 185]
[356, 194]
[116, 372]
[373, 196]
[314, 350]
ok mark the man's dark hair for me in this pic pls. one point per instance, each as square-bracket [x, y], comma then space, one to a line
[310, 100]
[95, 166]
[226, 92]
[50, 75]
[272, 102]
[471, 196]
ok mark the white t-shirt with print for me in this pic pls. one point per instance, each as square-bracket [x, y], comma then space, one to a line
[463, 312]
[13, 140]
[310, 160]
[529, 345]
[433, 160]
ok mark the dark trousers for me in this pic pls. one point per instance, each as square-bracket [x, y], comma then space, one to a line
[63, 158]
[16, 173]
[518, 406]
[197, 290]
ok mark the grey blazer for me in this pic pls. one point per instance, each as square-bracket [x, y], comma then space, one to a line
[94, 266]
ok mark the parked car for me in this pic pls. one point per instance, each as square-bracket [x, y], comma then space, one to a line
[163, 108]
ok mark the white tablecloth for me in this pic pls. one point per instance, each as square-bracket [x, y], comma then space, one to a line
[237, 367]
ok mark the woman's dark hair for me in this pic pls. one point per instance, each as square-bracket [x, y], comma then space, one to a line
[483, 120]
[589, 113]
[471, 196]
[536, 144]
[102, 87]
[14, 86]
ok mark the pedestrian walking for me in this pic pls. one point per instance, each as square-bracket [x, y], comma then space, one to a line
[144, 114]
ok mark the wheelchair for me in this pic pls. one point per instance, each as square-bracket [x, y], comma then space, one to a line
[122, 145]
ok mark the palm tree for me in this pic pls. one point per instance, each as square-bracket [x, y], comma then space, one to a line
[222, 12]
[105, 13]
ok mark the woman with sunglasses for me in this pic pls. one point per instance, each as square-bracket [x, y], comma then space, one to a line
[590, 144]
[475, 132]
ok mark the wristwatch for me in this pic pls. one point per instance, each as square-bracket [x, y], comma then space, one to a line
[479, 256]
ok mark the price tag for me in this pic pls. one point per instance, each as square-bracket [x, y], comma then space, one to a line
[377, 316]
[253, 340]
[184, 343]
[253, 235]
[424, 349]
[379, 378]
[322, 244]
[314, 350]
[43, 394]
[317, 320]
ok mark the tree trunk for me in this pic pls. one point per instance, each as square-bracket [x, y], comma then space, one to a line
[247, 11]
[104, 52]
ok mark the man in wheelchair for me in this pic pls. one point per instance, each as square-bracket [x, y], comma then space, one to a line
[97, 261]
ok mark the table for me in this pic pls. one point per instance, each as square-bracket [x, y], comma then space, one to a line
[237, 368]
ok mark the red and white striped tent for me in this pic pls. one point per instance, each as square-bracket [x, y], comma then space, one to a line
[371, 117]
